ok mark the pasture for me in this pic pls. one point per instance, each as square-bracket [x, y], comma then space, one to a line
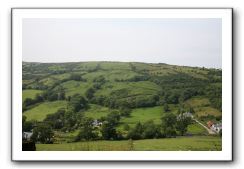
[40, 111]
[30, 93]
[139, 92]
[198, 143]
[142, 115]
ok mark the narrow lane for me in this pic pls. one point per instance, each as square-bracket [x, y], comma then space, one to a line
[209, 131]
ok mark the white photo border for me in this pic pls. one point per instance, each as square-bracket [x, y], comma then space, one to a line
[17, 14]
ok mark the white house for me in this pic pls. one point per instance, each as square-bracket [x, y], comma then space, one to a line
[96, 123]
[27, 135]
[184, 115]
[216, 127]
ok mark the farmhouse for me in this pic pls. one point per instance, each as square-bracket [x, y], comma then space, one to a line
[96, 123]
[209, 123]
[27, 136]
[216, 127]
[184, 115]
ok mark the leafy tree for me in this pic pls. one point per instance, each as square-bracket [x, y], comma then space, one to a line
[61, 94]
[90, 93]
[56, 120]
[150, 130]
[125, 111]
[99, 79]
[43, 134]
[136, 133]
[27, 126]
[166, 107]
[113, 117]
[173, 98]
[28, 102]
[218, 118]
[98, 82]
[169, 120]
[182, 123]
[168, 124]
[126, 127]
[87, 130]
[170, 132]
[76, 77]
[39, 98]
[108, 131]
[214, 93]
[191, 110]
[77, 102]
[72, 119]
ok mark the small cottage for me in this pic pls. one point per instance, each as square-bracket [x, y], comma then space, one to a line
[209, 123]
[216, 127]
[96, 123]
[184, 115]
[27, 136]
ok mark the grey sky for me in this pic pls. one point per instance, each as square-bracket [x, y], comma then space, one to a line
[191, 42]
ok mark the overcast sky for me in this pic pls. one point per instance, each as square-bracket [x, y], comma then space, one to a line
[191, 42]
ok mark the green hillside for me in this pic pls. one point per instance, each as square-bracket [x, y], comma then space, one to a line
[40, 111]
[90, 101]
[30, 93]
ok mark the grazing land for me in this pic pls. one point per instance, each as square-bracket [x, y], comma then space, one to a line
[199, 143]
[39, 111]
[30, 94]
[121, 106]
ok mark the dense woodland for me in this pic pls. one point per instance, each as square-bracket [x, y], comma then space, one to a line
[120, 89]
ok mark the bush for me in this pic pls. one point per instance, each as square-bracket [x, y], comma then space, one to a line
[108, 131]
[168, 125]
[77, 102]
[43, 134]
[151, 130]
[87, 131]
[56, 120]
[136, 133]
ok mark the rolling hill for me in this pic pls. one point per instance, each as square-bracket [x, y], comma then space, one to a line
[108, 87]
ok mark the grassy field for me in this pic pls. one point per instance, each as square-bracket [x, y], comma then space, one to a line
[204, 111]
[197, 102]
[202, 106]
[73, 87]
[144, 114]
[30, 93]
[200, 143]
[63, 137]
[96, 111]
[196, 129]
[143, 87]
[40, 111]
[132, 88]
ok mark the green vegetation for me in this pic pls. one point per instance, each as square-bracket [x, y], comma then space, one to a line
[120, 106]
[143, 115]
[199, 143]
[96, 111]
[204, 111]
[73, 87]
[40, 111]
[30, 94]
[196, 129]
